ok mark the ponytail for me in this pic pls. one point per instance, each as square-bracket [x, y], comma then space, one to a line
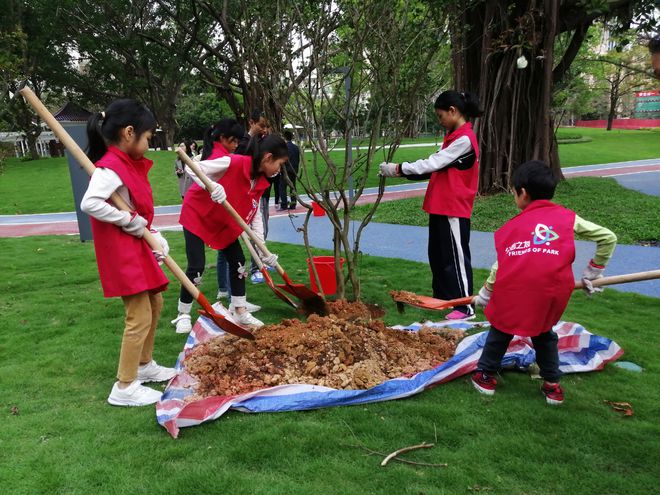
[465, 102]
[207, 147]
[260, 145]
[96, 146]
[228, 128]
[103, 127]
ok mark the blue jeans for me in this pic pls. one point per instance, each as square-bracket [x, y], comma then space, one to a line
[222, 267]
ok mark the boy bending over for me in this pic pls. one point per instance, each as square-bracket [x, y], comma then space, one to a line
[535, 251]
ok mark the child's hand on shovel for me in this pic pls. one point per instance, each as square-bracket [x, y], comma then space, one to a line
[270, 260]
[161, 254]
[218, 195]
[135, 225]
[482, 298]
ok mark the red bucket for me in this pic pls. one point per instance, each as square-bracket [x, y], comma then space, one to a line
[325, 267]
[317, 211]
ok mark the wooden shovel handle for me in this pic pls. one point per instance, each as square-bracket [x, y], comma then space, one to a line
[89, 167]
[621, 279]
[209, 187]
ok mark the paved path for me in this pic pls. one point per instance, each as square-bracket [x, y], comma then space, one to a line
[409, 243]
[399, 241]
[640, 175]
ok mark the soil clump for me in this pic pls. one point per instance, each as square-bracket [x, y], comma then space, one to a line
[348, 349]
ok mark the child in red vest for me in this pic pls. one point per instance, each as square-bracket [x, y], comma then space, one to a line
[241, 180]
[535, 251]
[128, 268]
[454, 175]
[220, 139]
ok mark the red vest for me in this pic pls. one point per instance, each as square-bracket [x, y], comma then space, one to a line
[210, 221]
[451, 191]
[535, 251]
[126, 264]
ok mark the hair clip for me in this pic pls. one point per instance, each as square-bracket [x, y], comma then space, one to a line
[103, 115]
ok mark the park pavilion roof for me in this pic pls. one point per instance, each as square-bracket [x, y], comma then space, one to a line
[72, 112]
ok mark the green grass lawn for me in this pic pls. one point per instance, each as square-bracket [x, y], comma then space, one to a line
[59, 343]
[631, 215]
[44, 186]
[609, 146]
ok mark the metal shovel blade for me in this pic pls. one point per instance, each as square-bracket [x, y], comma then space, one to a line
[222, 322]
[402, 297]
[276, 290]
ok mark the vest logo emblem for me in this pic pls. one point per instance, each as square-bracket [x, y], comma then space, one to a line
[544, 234]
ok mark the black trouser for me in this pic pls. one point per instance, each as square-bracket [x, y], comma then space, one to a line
[449, 257]
[283, 188]
[545, 345]
[276, 181]
[196, 254]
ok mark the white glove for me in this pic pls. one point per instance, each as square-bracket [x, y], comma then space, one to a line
[161, 254]
[388, 169]
[270, 260]
[483, 298]
[218, 194]
[135, 225]
[592, 272]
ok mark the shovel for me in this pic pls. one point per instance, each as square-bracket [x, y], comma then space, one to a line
[89, 167]
[403, 297]
[312, 302]
[264, 271]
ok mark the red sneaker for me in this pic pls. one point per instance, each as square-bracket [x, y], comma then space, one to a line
[554, 395]
[484, 383]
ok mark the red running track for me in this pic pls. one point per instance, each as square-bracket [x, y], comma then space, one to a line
[171, 220]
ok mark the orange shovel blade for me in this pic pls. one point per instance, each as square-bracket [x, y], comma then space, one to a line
[226, 325]
[278, 292]
[426, 302]
[222, 322]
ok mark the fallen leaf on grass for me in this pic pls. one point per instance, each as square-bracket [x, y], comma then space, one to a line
[14, 410]
[624, 407]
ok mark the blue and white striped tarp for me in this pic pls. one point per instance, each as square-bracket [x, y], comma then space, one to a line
[579, 351]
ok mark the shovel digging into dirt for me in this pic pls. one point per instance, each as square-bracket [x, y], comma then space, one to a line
[312, 303]
[89, 167]
[264, 271]
[402, 297]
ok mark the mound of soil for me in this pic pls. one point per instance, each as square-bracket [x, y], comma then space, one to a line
[349, 349]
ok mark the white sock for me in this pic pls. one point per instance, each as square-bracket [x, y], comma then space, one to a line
[184, 307]
[239, 301]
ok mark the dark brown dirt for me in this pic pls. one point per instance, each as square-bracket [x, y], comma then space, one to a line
[405, 297]
[349, 349]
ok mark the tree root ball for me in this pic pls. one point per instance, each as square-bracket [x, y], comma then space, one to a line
[349, 349]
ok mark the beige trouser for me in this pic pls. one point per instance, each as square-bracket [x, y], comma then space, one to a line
[137, 344]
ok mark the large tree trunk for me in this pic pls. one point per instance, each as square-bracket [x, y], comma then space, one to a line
[517, 124]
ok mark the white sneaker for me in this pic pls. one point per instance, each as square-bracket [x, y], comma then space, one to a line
[134, 395]
[251, 308]
[222, 294]
[182, 323]
[247, 319]
[153, 372]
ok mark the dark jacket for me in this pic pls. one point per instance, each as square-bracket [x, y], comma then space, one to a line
[294, 159]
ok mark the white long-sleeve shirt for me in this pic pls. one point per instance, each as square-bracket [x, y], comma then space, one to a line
[440, 159]
[103, 183]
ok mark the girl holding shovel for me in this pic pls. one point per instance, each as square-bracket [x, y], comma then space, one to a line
[453, 174]
[128, 268]
[241, 180]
